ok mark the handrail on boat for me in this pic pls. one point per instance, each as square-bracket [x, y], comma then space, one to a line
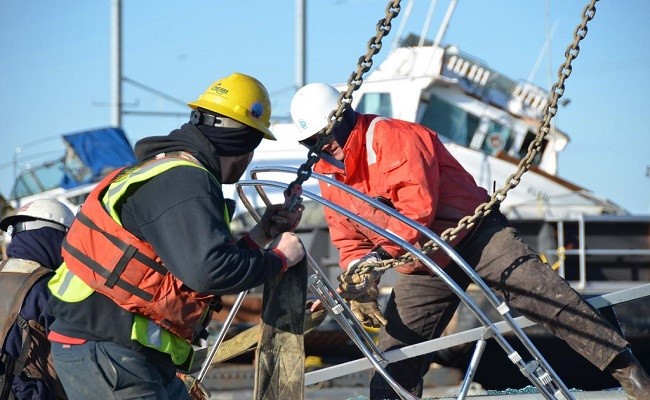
[583, 251]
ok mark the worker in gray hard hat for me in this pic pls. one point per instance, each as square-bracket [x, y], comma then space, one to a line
[37, 230]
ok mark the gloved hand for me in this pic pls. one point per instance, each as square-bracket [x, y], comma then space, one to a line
[353, 284]
[366, 309]
[275, 220]
[289, 247]
[361, 291]
[196, 389]
[371, 257]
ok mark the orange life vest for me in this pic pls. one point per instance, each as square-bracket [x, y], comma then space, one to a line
[114, 262]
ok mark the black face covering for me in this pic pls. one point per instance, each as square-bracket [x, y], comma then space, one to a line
[41, 245]
[232, 141]
[343, 130]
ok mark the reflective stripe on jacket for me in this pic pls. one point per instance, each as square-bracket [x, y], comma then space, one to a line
[407, 166]
[100, 255]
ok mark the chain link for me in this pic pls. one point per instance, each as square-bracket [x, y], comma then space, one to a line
[557, 91]
[355, 80]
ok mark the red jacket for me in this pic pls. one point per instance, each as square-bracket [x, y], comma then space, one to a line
[408, 165]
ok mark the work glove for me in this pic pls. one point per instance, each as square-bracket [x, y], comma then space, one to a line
[361, 291]
[195, 388]
[275, 220]
[366, 308]
[371, 257]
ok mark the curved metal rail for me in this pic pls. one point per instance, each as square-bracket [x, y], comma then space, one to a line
[333, 302]
[539, 372]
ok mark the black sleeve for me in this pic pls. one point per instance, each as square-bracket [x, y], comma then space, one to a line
[181, 214]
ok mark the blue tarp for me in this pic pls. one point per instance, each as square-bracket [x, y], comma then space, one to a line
[98, 152]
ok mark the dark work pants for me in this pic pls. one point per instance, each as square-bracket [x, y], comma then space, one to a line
[106, 370]
[421, 306]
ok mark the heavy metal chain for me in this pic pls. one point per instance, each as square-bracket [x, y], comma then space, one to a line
[513, 180]
[355, 80]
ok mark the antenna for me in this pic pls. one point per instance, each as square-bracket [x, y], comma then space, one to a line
[445, 23]
[427, 23]
[116, 63]
[402, 23]
[301, 51]
[547, 42]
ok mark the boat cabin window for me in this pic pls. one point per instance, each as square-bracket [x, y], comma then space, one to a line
[375, 103]
[449, 120]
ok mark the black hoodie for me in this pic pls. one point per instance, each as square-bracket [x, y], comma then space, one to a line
[180, 212]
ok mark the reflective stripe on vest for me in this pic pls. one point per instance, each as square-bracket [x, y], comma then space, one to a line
[69, 287]
[152, 335]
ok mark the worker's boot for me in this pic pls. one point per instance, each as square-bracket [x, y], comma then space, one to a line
[633, 378]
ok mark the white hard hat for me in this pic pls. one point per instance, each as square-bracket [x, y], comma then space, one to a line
[310, 107]
[38, 214]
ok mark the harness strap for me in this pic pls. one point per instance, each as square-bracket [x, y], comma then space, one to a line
[120, 266]
[122, 245]
[106, 274]
[27, 341]
[280, 354]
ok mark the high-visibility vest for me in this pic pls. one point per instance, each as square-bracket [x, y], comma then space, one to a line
[100, 255]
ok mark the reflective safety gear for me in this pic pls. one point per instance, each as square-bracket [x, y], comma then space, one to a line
[38, 214]
[240, 97]
[17, 277]
[414, 172]
[100, 255]
[310, 107]
[150, 334]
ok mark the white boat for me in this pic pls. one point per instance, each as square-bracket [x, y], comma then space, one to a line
[85, 158]
[486, 120]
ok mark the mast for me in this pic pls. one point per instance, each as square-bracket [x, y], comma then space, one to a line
[116, 63]
[301, 56]
[445, 23]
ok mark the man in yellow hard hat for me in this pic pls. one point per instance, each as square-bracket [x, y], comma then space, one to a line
[151, 251]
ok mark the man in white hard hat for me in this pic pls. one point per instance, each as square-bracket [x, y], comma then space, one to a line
[406, 166]
[37, 230]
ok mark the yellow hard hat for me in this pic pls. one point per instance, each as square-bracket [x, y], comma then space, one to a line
[240, 97]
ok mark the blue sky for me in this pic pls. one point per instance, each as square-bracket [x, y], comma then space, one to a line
[55, 68]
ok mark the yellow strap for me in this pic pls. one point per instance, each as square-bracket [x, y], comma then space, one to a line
[67, 286]
[561, 258]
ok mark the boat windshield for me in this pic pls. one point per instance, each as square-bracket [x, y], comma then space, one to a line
[484, 134]
[448, 120]
[41, 178]
[491, 137]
